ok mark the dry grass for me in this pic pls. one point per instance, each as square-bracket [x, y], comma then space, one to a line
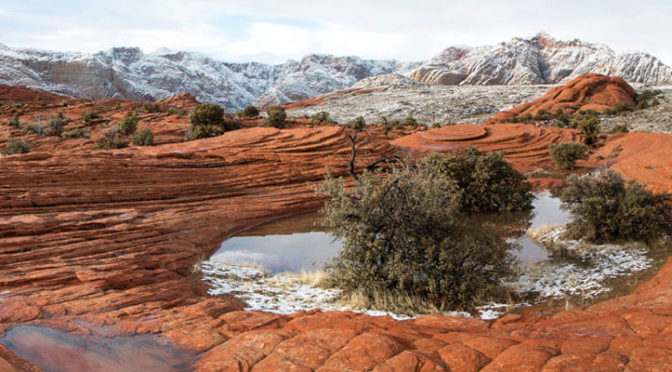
[395, 302]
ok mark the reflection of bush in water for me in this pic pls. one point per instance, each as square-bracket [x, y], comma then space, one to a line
[405, 237]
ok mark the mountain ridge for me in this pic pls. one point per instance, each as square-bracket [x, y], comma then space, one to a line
[129, 73]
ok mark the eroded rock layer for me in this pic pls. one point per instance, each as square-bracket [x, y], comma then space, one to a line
[110, 238]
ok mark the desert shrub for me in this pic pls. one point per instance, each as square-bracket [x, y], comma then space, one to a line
[14, 121]
[207, 114]
[619, 128]
[620, 107]
[76, 133]
[410, 121]
[565, 155]
[64, 104]
[276, 117]
[150, 108]
[177, 111]
[14, 146]
[56, 123]
[144, 137]
[589, 126]
[488, 183]
[358, 124]
[606, 209]
[250, 112]
[90, 115]
[111, 140]
[543, 115]
[323, 117]
[128, 125]
[202, 131]
[403, 235]
[36, 129]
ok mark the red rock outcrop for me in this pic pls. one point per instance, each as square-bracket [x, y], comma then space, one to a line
[586, 92]
[110, 238]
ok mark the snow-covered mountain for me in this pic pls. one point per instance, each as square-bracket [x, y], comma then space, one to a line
[538, 60]
[129, 73]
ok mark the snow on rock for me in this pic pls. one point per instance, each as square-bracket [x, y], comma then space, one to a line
[538, 60]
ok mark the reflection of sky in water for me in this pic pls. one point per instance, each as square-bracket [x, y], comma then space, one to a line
[280, 253]
[309, 251]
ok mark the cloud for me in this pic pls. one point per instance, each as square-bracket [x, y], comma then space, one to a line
[275, 31]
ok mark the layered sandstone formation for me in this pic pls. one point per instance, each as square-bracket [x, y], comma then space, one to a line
[110, 238]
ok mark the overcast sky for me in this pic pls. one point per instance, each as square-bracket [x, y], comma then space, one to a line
[273, 31]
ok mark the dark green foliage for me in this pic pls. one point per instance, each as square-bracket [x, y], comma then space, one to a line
[64, 104]
[14, 121]
[357, 124]
[207, 114]
[56, 124]
[410, 121]
[111, 140]
[76, 133]
[543, 115]
[128, 125]
[14, 146]
[202, 131]
[620, 107]
[566, 154]
[588, 125]
[403, 235]
[276, 117]
[487, 182]
[619, 128]
[151, 108]
[250, 112]
[89, 116]
[177, 111]
[323, 117]
[144, 137]
[606, 209]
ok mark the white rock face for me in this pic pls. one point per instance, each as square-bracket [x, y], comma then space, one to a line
[538, 60]
[131, 74]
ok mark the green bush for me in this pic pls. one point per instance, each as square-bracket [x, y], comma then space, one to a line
[149, 107]
[357, 124]
[56, 124]
[177, 111]
[410, 121]
[76, 133]
[250, 112]
[14, 121]
[589, 126]
[323, 117]
[36, 129]
[143, 138]
[620, 128]
[90, 115]
[565, 155]
[403, 235]
[111, 141]
[14, 146]
[620, 107]
[488, 183]
[606, 209]
[207, 114]
[276, 117]
[202, 131]
[128, 125]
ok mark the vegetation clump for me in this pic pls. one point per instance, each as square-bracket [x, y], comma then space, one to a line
[111, 140]
[605, 208]
[15, 146]
[565, 154]
[56, 123]
[76, 133]
[14, 121]
[250, 112]
[90, 115]
[276, 117]
[151, 108]
[404, 236]
[144, 137]
[207, 120]
[357, 124]
[128, 125]
[488, 184]
[588, 125]
[323, 117]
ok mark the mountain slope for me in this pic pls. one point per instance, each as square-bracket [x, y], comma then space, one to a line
[538, 60]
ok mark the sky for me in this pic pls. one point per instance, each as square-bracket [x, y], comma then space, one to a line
[274, 31]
